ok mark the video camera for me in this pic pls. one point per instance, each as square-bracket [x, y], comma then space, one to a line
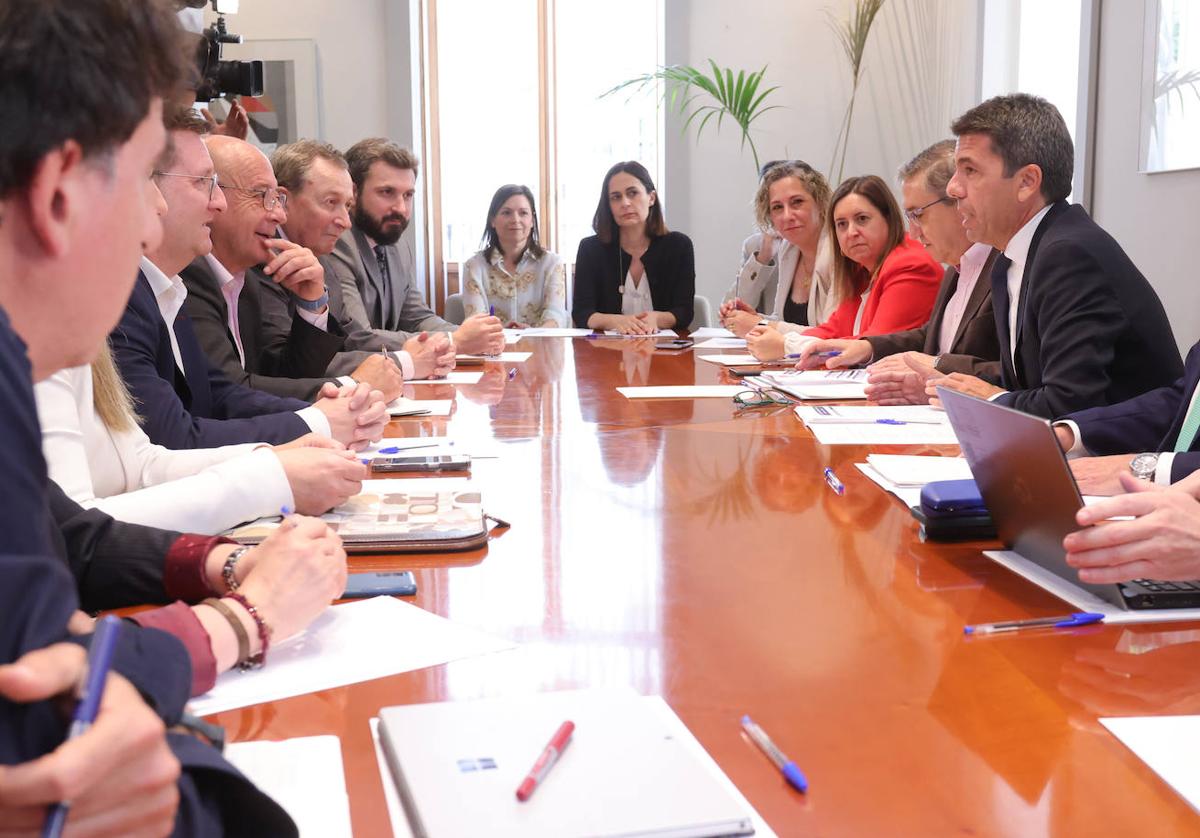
[222, 78]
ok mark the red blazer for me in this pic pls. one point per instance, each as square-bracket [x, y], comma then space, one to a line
[902, 297]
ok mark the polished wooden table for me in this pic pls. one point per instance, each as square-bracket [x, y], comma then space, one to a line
[685, 549]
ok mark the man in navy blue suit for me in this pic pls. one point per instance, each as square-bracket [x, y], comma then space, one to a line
[1078, 324]
[1153, 436]
[185, 400]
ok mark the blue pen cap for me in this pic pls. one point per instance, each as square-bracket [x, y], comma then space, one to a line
[795, 776]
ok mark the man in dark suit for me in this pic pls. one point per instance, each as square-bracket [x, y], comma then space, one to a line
[289, 363]
[316, 180]
[377, 271]
[960, 335]
[1078, 324]
[1152, 436]
[185, 401]
[76, 208]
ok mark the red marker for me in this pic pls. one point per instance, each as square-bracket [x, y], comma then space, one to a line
[546, 761]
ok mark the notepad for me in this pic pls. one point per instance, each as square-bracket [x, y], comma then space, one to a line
[830, 385]
[419, 407]
[453, 377]
[629, 769]
[861, 427]
[684, 391]
[303, 775]
[347, 644]
[911, 470]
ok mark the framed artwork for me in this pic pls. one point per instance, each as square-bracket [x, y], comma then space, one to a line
[290, 107]
[1170, 116]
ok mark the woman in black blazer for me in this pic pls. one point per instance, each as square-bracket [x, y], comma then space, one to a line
[634, 276]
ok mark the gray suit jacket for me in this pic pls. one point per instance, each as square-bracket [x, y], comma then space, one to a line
[975, 349]
[365, 298]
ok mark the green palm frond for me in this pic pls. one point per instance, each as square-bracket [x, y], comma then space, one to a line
[699, 95]
[1175, 82]
[853, 34]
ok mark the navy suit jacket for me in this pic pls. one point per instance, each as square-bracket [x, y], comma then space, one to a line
[199, 408]
[1149, 422]
[1090, 329]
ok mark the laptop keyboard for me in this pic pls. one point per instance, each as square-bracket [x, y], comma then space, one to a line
[1158, 586]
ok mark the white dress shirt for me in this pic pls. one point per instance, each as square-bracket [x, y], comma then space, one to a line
[1018, 252]
[170, 294]
[231, 288]
[203, 490]
[969, 269]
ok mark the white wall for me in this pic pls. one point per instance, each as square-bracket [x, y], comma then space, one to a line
[360, 45]
[905, 102]
[1154, 217]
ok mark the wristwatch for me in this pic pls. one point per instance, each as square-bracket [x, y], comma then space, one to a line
[1143, 466]
[229, 570]
[314, 305]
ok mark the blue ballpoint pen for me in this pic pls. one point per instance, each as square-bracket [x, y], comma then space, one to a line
[100, 655]
[834, 483]
[1079, 618]
[791, 772]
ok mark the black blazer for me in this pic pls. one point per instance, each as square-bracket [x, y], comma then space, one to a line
[198, 407]
[291, 364]
[1090, 329]
[600, 274]
[974, 350]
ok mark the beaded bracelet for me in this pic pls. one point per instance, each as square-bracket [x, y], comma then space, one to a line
[264, 633]
[239, 630]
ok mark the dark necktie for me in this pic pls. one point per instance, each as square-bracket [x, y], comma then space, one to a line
[1000, 310]
[383, 307]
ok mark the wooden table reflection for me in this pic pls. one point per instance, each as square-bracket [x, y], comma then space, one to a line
[688, 550]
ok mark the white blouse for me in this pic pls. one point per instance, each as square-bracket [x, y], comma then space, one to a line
[636, 298]
[536, 294]
[122, 473]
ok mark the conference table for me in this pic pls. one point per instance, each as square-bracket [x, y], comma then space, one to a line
[693, 550]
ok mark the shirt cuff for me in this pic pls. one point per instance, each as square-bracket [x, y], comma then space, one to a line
[995, 396]
[1076, 449]
[183, 570]
[407, 368]
[179, 621]
[321, 321]
[1162, 469]
[317, 422]
[794, 342]
[346, 381]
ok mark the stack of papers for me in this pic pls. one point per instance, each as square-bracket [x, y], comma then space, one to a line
[304, 776]
[705, 332]
[858, 425]
[911, 470]
[819, 384]
[731, 360]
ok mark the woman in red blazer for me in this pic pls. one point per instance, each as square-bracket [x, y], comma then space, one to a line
[886, 281]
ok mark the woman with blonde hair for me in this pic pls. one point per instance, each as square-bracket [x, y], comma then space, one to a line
[791, 203]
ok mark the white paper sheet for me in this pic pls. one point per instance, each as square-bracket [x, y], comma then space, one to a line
[345, 646]
[401, 829]
[452, 377]
[731, 360]
[1081, 599]
[705, 332]
[818, 384]
[1168, 744]
[685, 391]
[862, 428]
[661, 333]
[909, 495]
[503, 357]
[428, 407]
[917, 470]
[514, 335]
[720, 343]
[305, 776]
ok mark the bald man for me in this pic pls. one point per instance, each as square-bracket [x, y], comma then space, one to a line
[225, 307]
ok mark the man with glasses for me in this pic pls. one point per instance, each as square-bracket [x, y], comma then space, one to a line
[183, 399]
[960, 335]
[223, 297]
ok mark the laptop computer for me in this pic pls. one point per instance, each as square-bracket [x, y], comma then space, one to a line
[1032, 496]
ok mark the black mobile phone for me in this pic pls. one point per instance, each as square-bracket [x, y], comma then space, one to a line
[742, 372]
[397, 582]
[446, 462]
[675, 343]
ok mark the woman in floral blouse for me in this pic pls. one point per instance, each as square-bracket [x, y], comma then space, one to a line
[513, 277]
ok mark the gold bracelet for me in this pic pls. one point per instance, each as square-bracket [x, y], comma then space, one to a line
[243, 638]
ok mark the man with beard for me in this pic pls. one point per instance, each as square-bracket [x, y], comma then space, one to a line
[376, 272]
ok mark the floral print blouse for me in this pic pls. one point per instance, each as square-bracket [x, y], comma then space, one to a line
[536, 294]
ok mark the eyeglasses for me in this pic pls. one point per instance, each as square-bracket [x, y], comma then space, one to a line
[914, 215]
[766, 397]
[271, 196]
[212, 180]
